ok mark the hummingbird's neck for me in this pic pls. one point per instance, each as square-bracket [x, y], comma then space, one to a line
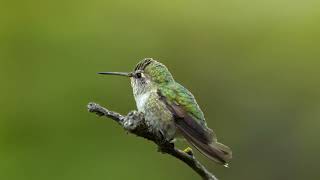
[142, 95]
[140, 91]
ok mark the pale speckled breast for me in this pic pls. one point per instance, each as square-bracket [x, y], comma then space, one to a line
[157, 114]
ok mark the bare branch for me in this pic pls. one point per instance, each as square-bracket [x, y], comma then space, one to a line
[134, 122]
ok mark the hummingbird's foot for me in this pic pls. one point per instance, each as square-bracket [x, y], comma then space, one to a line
[189, 151]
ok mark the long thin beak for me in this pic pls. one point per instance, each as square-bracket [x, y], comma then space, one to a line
[117, 73]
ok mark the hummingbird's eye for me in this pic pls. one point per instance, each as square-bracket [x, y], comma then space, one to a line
[138, 75]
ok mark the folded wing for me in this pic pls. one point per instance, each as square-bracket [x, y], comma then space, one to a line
[189, 120]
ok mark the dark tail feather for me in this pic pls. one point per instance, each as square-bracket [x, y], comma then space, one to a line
[215, 151]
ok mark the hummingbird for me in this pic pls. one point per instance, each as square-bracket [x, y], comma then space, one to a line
[172, 110]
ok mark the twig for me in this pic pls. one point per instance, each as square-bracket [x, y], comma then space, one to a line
[134, 122]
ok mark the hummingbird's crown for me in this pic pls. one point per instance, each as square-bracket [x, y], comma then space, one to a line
[143, 64]
[157, 71]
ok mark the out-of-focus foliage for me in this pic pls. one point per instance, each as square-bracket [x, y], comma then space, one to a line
[252, 65]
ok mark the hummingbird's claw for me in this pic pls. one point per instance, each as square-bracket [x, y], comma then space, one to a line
[189, 151]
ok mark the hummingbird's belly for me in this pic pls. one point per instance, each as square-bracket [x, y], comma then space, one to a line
[159, 116]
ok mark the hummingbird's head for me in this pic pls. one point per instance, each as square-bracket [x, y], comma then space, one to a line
[147, 74]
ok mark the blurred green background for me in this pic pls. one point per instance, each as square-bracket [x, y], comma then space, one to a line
[252, 65]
